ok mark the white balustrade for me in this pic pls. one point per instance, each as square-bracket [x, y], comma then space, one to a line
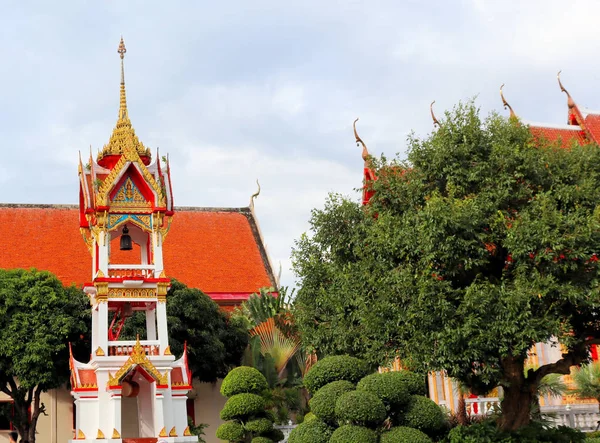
[125, 347]
[124, 271]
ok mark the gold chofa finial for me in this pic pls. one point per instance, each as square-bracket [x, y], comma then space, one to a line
[505, 103]
[435, 120]
[365, 151]
[570, 101]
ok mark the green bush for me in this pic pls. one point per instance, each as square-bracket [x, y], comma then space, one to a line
[243, 379]
[413, 381]
[314, 431]
[339, 367]
[592, 440]
[261, 440]
[392, 390]
[487, 432]
[242, 405]
[322, 404]
[360, 408]
[230, 431]
[353, 434]
[310, 416]
[594, 434]
[423, 414]
[259, 425]
[402, 434]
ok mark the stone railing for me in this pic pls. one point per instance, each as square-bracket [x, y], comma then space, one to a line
[582, 417]
[481, 406]
[125, 347]
[286, 429]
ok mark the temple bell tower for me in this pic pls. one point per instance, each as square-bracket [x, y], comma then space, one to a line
[130, 389]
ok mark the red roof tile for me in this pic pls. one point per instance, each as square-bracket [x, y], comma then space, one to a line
[566, 136]
[592, 123]
[216, 250]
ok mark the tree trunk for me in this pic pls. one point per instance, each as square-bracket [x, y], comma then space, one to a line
[518, 396]
[461, 412]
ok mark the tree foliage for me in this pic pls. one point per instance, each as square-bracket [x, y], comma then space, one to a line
[215, 343]
[39, 317]
[480, 244]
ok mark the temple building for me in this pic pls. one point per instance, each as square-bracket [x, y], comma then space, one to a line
[582, 126]
[122, 243]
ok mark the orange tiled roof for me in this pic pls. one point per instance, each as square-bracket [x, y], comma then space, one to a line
[565, 135]
[218, 251]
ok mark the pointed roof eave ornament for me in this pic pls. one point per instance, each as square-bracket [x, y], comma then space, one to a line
[435, 120]
[570, 101]
[255, 195]
[506, 105]
[365, 151]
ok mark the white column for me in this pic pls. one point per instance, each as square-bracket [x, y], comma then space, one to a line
[159, 417]
[158, 255]
[114, 422]
[161, 319]
[103, 249]
[102, 330]
[94, 329]
[151, 324]
[179, 408]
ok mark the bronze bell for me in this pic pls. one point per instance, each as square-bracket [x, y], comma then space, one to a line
[126, 244]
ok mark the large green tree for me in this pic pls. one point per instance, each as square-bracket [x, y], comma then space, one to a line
[478, 245]
[215, 343]
[39, 317]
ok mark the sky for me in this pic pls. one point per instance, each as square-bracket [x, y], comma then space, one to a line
[236, 91]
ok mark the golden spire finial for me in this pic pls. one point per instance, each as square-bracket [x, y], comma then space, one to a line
[365, 151]
[123, 136]
[123, 115]
[505, 103]
[570, 101]
[435, 120]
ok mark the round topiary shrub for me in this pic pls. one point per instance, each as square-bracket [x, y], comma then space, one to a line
[242, 405]
[423, 414]
[353, 434]
[314, 431]
[243, 379]
[310, 416]
[339, 367]
[413, 381]
[360, 408]
[390, 389]
[230, 431]
[259, 425]
[322, 404]
[261, 440]
[402, 434]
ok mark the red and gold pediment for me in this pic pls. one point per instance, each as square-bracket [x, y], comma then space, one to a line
[127, 197]
[138, 358]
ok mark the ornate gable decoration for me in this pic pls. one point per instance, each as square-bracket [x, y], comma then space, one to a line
[129, 198]
[138, 357]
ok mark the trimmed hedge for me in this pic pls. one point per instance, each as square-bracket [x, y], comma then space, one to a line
[259, 425]
[243, 379]
[242, 405]
[310, 416]
[335, 368]
[423, 414]
[360, 408]
[314, 431]
[261, 440]
[402, 434]
[322, 404]
[392, 390]
[230, 431]
[353, 434]
[413, 381]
